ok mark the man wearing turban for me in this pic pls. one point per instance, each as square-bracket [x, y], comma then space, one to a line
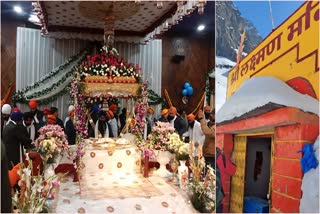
[102, 127]
[209, 146]
[51, 119]
[70, 130]
[176, 121]
[5, 116]
[194, 132]
[151, 120]
[206, 111]
[55, 112]
[15, 137]
[31, 128]
[37, 114]
[70, 108]
[164, 116]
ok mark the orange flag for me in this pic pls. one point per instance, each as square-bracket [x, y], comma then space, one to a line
[8, 94]
[243, 35]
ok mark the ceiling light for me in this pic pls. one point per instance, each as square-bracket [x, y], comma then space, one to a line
[201, 28]
[18, 9]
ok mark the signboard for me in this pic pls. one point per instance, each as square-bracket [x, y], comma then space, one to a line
[290, 51]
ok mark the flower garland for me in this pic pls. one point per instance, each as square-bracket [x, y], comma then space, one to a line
[140, 112]
[110, 64]
[80, 112]
[21, 97]
[79, 123]
[155, 99]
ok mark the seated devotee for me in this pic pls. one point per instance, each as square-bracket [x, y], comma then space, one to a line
[102, 128]
[176, 121]
[37, 114]
[31, 128]
[70, 130]
[151, 120]
[112, 122]
[70, 108]
[209, 145]
[14, 137]
[164, 116]
[55, 112]
[206, 111]
[194, 131]
[5, 116]
[123, 118]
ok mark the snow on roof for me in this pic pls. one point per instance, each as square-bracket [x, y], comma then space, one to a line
[259, 91]
[224, 61]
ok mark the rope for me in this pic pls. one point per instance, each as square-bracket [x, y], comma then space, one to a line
[271, 16]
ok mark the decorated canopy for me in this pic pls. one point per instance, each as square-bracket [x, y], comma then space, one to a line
[106, 74]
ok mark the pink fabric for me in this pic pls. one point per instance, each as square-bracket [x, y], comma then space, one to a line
[225, 173]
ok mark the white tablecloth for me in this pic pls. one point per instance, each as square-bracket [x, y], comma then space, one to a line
[171, 200]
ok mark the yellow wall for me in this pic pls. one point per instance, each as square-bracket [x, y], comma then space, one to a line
[286, 53]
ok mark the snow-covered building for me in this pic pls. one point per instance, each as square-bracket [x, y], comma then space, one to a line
[271, 112]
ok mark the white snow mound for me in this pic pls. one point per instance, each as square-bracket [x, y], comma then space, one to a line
[259, 91]
[309, 202]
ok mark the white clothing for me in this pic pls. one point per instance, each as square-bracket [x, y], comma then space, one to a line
[31, 130]
[96, 131]
[66, 120]
[196, 135]
[172, 121]
[114, 126]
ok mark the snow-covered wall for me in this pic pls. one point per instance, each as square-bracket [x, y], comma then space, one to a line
[259, 91]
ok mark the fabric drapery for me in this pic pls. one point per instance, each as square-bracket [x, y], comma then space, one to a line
[38, 56]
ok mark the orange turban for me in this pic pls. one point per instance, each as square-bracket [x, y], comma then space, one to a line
[191, 117]
[113, 107]
[71, 114]
[46, 110]
[150, 110]
[164, 111]
[173, 110]
[207, 108]
[51, 119]
[110, 114]
[33, 104]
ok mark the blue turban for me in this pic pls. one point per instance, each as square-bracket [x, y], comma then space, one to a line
[95, 108]
[16, 116]
[102, 113]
